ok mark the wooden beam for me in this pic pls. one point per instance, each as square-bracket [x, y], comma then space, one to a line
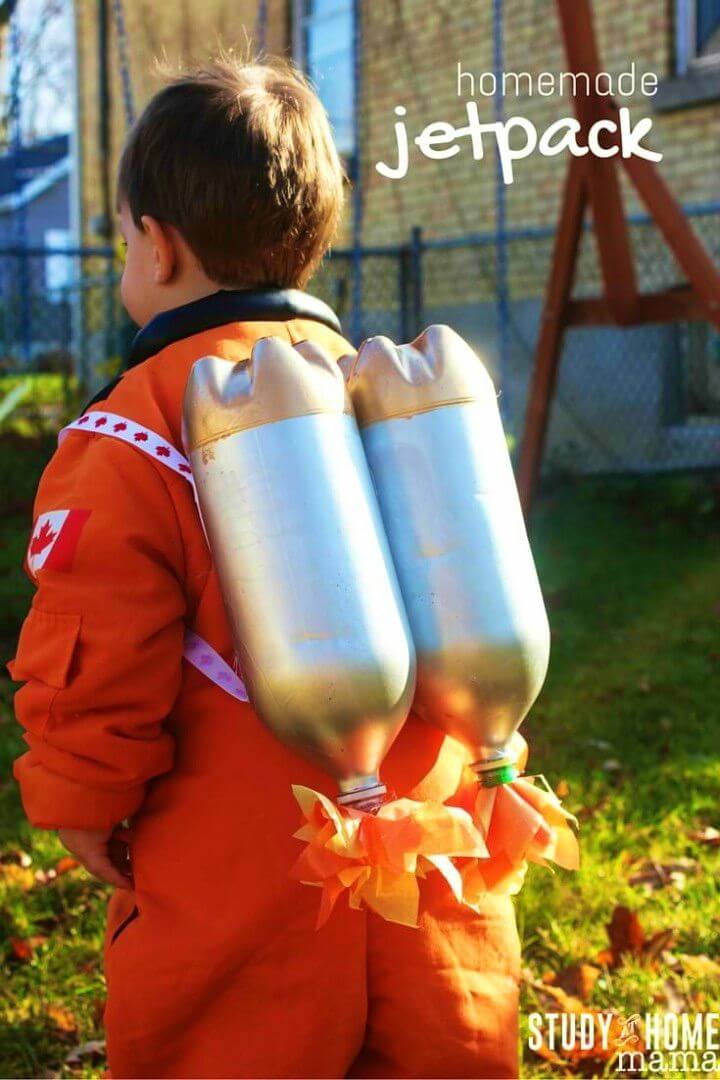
[613, 239]
[595, 181]
[579, 36]
[612, 236]
[547, 355]
[673, 305]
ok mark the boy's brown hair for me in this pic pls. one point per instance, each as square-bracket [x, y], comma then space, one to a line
[240, 159]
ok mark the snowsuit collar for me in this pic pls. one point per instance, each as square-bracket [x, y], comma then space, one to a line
[227, 306]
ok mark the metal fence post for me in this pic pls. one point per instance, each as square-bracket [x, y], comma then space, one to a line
[111, 345]
[356, 318]
[416, 280]
[404, 279]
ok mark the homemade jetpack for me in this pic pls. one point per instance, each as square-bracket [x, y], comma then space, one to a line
[316, 614]
[438, 456]
[318, 619]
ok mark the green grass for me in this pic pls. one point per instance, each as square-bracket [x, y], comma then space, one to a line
[632, 578]
[49, 401]
[52, 1003]
[46, 388]
[21, 462]
[633, 582]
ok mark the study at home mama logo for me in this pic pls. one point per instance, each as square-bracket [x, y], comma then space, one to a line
[649, 1044]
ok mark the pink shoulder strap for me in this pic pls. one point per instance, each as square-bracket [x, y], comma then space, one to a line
[196, 651]
[203, 657]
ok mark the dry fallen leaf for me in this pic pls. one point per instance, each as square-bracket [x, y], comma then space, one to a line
[674, 998]
[555, 996]
[654, 875]
[598, 1053]
[707, 835]
[586, 813]
[62, 1019]
[65, 865]
[655, 946]
[20, 858]
[599, 744]
[577, 980]
[45, 877]
[18, 877]
[543, 1051]
[701, 966]
[625, 932]
[627, 938]
[23, 949]
[95, 1048]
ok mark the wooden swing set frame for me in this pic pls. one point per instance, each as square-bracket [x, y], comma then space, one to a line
[593, 183]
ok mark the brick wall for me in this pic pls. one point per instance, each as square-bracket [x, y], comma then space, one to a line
[185, 31]
[410, 52]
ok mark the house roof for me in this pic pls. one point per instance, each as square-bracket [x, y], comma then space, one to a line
[20, 168]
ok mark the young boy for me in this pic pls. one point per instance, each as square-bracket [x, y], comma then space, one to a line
[230, 191]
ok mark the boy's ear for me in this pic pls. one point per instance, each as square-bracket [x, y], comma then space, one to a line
[165, 255]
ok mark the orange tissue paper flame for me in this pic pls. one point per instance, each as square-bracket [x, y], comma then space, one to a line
[521, 822]
[378, 858]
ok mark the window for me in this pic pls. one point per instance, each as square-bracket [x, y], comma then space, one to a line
[698, 34]
[58, 268]
[691, 382]
[324, 48]
[703, 372]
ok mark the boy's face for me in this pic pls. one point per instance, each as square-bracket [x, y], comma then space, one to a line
[138, 286]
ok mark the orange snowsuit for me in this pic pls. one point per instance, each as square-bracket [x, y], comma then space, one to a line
[214, 966]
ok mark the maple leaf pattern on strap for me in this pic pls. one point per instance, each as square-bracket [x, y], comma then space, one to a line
[135, 434]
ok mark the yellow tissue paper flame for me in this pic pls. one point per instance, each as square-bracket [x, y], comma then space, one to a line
[378, 858]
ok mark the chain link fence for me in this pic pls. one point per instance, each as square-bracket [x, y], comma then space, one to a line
[633, 400]
[60, 312]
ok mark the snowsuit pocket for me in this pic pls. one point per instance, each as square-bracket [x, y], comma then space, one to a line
[46, 647]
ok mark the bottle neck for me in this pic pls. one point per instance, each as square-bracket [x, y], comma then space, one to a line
[495, 769]
[367, 797]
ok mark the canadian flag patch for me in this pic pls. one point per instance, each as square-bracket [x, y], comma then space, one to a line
[54, 539]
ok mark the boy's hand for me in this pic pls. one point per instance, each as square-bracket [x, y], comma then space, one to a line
[91, 847]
